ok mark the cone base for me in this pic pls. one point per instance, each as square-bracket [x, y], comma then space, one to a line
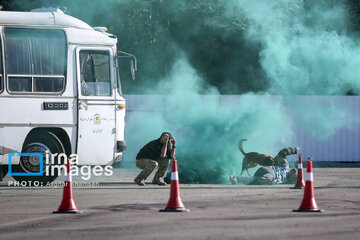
[174, 210]
[307, 210]
[297, 188]
[66, 211]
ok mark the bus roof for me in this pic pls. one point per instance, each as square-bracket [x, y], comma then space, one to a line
[41, 18]
[78, 31]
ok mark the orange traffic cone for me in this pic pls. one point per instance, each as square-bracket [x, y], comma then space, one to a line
[67, 204]
[308, 203]
[300, 177]
[175, 204]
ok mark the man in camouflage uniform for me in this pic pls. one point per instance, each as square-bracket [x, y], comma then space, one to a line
[279, 173]
[155, 153]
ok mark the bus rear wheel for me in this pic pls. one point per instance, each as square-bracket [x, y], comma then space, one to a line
[42, 142]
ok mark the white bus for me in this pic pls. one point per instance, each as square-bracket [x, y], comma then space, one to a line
[60, 91]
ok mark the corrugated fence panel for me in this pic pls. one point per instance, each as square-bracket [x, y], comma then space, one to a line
[342, 145]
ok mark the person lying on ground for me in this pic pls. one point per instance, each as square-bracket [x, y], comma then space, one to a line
[278, 173]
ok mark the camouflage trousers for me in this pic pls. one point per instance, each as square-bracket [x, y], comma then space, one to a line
[148, 165]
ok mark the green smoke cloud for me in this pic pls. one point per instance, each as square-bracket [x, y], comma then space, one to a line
[192, 51]
[207, 127]
[298, 54]
[306, 48]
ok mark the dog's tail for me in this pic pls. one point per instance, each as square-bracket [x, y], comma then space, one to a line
[240, 146]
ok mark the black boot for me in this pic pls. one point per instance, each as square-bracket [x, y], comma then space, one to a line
[140, 180]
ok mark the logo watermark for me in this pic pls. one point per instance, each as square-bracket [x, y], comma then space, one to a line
[17, 154]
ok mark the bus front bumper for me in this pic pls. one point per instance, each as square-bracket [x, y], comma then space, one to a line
[121, 146]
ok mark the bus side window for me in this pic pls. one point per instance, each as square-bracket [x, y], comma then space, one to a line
[1, 68]
[95, 73]
[35, 60]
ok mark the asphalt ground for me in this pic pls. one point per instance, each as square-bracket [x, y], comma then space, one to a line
[118, 209]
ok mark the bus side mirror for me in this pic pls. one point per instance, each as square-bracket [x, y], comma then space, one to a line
[133, 62]
[132, 68]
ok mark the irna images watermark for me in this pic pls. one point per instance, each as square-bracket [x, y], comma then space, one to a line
[55, 164]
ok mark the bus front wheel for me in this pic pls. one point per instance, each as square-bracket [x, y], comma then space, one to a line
[40, 142]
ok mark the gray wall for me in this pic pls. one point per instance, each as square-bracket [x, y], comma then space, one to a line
[341, 143]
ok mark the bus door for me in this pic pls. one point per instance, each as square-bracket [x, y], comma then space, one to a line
[2, 144]
[96, 106]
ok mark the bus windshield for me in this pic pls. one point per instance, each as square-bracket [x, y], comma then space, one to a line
[118, 80]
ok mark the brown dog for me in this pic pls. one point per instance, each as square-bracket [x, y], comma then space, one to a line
[252, 159]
